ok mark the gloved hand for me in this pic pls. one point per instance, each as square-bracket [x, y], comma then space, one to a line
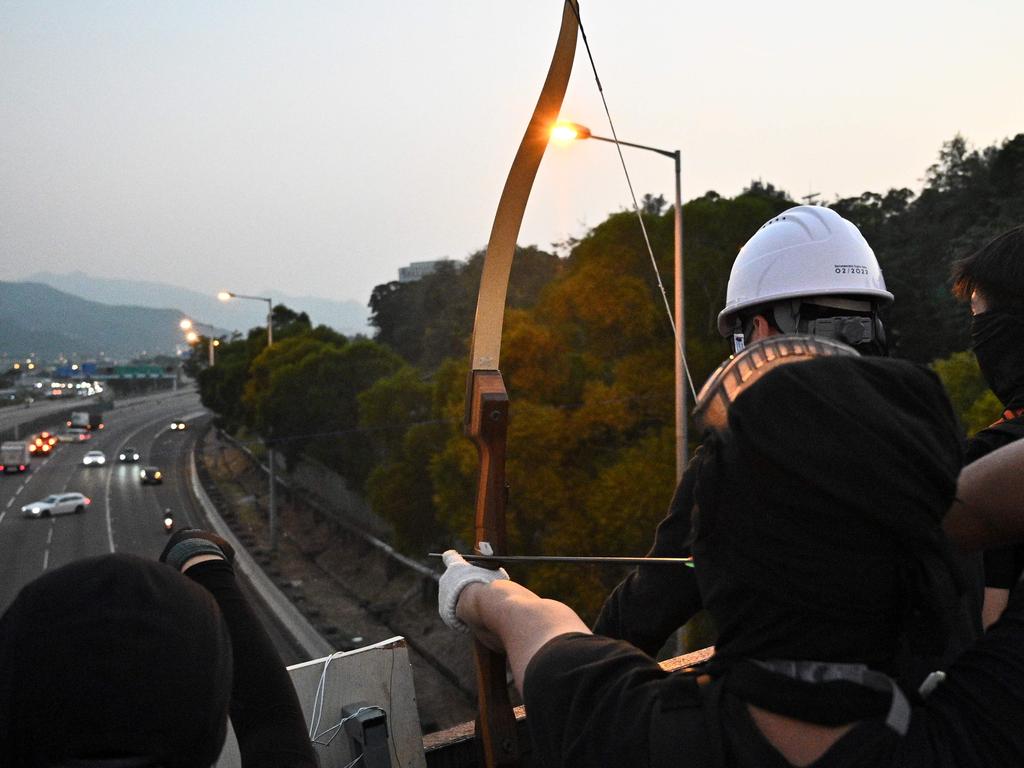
[457, 577]
[190, 542]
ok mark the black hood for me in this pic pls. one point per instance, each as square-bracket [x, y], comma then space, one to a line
[113, 657]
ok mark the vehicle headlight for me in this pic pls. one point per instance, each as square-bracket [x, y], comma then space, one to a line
[121, 457]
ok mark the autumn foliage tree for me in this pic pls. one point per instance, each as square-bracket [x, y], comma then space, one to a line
[587, 356]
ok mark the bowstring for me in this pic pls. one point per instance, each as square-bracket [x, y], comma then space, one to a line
[636, 207]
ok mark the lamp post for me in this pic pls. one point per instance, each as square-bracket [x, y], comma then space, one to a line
[271, 496]
[192, 337]
[566, 132]
[229, 295]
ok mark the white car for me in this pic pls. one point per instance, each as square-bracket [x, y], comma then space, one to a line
[94, 457]
[57, 504]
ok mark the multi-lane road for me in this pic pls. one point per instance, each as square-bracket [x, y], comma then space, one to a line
[124, 516]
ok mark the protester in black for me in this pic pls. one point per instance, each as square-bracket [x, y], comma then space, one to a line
[118, 661]
[992, 280]
[819, 550]
[637, 612]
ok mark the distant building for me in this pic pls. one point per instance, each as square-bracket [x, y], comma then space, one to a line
[418, 270]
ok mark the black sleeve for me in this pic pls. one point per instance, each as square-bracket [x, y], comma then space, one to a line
[655, 600]
[974, 716]
[265, 710]
[590, 701]
[1002, 568]
[988, 440]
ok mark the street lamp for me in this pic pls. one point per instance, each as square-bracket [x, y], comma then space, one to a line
[271, 500]
[565, 132]
[229, 295]
[188, 325]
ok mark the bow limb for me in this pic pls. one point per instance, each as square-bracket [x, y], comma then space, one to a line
[487, 399]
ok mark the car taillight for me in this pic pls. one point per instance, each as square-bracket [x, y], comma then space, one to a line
[88, 501]
[21, 467]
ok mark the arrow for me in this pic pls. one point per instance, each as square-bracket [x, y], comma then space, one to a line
[686, 561]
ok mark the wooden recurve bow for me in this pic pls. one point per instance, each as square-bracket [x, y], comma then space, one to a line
[486, 420]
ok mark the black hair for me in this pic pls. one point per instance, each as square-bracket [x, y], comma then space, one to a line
[996, 269]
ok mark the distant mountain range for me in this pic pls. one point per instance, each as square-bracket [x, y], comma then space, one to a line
[88, 318]
[38, 320]
[348, 317]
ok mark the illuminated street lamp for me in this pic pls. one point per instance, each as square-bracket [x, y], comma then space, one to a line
[565, 132]
[192, 337]
[229, 295]
[271, 500]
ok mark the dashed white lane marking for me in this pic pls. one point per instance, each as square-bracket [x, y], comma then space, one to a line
[9, 502]
[49, 535]
[19, 489]
[27, 480]
[46, 558]
[2, 515]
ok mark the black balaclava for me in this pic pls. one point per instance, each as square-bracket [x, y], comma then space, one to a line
[817, 530]
[113, 656]
[998, 341]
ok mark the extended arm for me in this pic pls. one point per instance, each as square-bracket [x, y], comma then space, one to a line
[265, 711]
[504, 616]
[508, 617]
[989, 508]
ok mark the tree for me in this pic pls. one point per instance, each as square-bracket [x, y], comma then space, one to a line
[428, 320]
[972, 400]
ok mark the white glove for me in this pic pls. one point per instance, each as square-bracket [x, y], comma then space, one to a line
[457, 577]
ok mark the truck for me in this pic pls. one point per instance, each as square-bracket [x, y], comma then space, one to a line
[95, 420]
[14, 456]
[79, 419]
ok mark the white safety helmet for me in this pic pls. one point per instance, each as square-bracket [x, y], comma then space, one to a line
[803, 253]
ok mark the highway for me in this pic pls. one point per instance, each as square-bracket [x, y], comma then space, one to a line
[124, 516]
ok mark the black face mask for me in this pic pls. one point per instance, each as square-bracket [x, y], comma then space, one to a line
[998, 341]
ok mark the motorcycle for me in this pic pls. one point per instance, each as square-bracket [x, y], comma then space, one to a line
[168, 521]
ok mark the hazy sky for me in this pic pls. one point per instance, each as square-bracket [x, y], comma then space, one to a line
[315, 147]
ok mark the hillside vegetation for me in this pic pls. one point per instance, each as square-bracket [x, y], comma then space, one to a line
[587, 357]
